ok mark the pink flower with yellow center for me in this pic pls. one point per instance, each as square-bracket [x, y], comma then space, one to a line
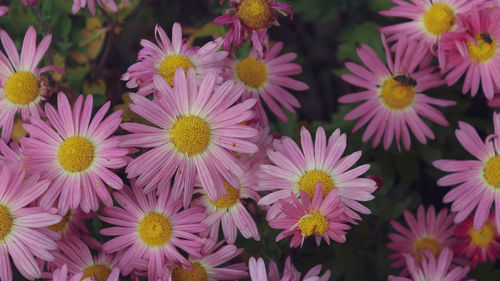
[427, 231]
[295, 170]
[251, 18]
[258, 272]
[478, 181]
[429, 19]
[71, 225]
[266, 79]
[21, 86]
[478, 245]
[318, 217]
[473, 49]
[432, 267]
[393, 101]
[20, 237]
[75, 152]
[151, 227]
[165, 57]
[197, 129]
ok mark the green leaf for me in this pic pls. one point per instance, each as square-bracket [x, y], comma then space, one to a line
[352, 36]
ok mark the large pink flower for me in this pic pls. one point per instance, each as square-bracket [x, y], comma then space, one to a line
[393, 100]
[196, 130]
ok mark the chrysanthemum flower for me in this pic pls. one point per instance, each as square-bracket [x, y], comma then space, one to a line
[478, 245]
[21, 86]
[427, 231]
[258, 272]
[433, 268]
[474, 48]
[71, 225]
[267, 78]
[19, 225]
[11, 155]
[323, 218]
[429, 19]
[478, 180]
[152, 227]
[251, 18]
[197, 129]
[76, 153]
[294, 170]
[208, 268]
[76, 255]
[61, 274]
[165, 57]
[230, 211]
[394, 99]
[4, 10]
[104, 4]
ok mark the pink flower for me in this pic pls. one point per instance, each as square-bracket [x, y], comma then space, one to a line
[61, 274]
[20, 236]
[429, 20]
[4, 10]
[427, 231]
[21, 86]
[71, 225]
[196, 130]
[104, 4]
[75, 152]
[478, 245]
[290, 273]
[323, 218]
[433, 268]
[267, 78]
[165, 57]
[29, 2]
[293, 170]
[473, 48]
[151, 227]
[251, 18]
[478, 180]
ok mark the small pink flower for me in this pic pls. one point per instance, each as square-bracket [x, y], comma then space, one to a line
[80, 4]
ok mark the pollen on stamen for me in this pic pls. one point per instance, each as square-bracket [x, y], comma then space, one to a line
[231, 198]
[155, 229]
[482, 50]
[484, 236]
[22, 88]
[310, 179]
[170, 64]
[6, 223]
[99, 272]
[313, 222]
[190, 134]
[255, 14]
[76, 154]
[397, 95]
[426, 243]
[195, 273]
[252, 72]
[439, 18]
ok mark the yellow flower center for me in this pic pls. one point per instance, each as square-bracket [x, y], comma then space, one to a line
[483, 49]
[397, 95]
[313, 222]
[6, 223]
[195, 273]
[254, 14]
[100, 272]
[426, 243]
[232, 196]
[310, 179]
[61, 226]
[170, 64]
[492, 171]
[252, 72]
[75, 154]
[439, 18]
[190, 135]
[155, 229]
[484, 236]
[22, 88]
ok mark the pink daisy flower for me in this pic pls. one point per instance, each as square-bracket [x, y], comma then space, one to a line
[230, 211]
[478, 245]
[251, 18]
[478, 180]
[196, 132]
[267, 78]
[76, 153]
[427, 231]
[323, 218]
[61, 274]
[474, 48]
[433, 268]
[104, 4]
[71, 225]
[4, 10]
[165, 57]
[290, 273]
[293, 170]
[20, 236]
[209, 268]
[429, 20]
[11, 155]
[21, 86]
[76, 255]
[394, 99]
[152, 227]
